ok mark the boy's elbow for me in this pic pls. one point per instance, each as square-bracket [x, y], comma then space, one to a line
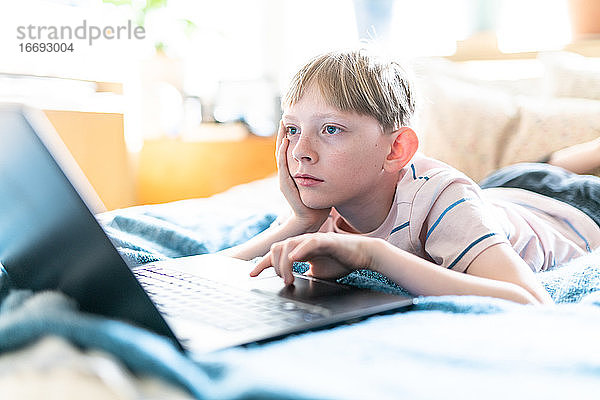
[543, 298]
[535, 297]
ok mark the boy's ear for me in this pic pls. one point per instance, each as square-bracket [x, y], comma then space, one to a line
[404, 146]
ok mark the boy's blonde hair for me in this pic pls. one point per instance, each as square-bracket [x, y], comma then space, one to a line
[357, 81]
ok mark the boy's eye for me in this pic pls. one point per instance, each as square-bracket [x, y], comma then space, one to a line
[291, 130]
[332, 130]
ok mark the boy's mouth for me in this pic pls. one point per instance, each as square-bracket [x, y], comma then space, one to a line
[307, 180]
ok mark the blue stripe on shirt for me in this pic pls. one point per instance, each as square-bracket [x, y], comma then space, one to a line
[451, 206]
[396, 229]
[469, 247]
[412, 167]
[587, 245]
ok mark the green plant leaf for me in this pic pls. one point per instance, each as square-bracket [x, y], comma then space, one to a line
[118, 2]
[154, 4]
[188, 26]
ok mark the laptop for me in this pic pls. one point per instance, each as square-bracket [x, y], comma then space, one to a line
[50, 239]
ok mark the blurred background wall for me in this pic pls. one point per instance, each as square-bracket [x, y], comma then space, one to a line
[191, 108]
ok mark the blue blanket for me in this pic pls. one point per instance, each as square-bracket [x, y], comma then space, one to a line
[450, 347]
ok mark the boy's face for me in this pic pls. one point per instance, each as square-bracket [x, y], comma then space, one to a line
[341, 153]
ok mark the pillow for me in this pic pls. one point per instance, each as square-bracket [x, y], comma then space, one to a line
[515, 77]
[571, 75]
[464, 125]
[547, 125]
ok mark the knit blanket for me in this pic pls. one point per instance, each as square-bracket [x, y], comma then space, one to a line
[450, 347]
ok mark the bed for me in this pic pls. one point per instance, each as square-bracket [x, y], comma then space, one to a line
[450, 347]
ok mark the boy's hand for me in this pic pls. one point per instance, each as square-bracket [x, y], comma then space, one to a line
[330, 255]
[309, 219]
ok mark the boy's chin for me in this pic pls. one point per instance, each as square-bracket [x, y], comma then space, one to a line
[316, 204]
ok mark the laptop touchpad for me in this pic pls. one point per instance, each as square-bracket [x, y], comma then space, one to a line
[304, 289]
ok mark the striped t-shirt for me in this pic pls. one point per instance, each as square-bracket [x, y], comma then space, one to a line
[441, 215]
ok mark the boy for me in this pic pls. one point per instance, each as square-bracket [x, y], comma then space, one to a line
[361, 197]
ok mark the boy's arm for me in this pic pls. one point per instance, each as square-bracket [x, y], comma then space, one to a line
[497, 272]
[501, 262]
[260, 244]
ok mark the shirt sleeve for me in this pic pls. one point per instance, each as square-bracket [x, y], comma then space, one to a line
[456, 224]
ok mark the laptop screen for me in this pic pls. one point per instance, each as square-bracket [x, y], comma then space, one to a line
[49, 239]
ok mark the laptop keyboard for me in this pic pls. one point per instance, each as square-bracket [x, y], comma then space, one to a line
[182, 295]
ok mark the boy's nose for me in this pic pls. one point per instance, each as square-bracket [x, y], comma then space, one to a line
[304, 150]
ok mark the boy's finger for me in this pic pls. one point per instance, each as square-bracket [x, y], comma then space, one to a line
[280, 136]
[257, 270]
[285, 267]
[275, 255]
[281, 156]
[303, 250]
[262, 265]
[282, 166]
[312, 245]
